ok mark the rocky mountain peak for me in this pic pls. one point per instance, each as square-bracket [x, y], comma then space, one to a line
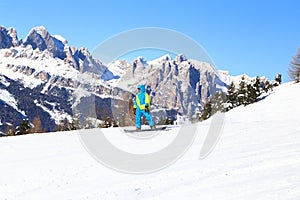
[41, 30]
[180, 58]
[162, 59]
[40, 38]
[139, 60]
[13, 34]
[8, 38]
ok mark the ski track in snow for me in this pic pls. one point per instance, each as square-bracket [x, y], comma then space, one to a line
[257, 157]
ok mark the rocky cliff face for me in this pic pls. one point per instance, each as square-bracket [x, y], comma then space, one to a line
[8, 38]
[40, 38]
[181, 84]
[42, 75]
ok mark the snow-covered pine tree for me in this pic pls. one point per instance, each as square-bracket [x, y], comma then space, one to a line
[242, 92]
[232, 97]
[255, 91]
[216, 103]
[267, 86]
[277, 80]
[258, 87]
[251, 95]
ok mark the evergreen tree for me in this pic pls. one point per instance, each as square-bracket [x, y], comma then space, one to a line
[218, 102]
[24, 128]
[232, 97]
[268, 86]
[256, 91]
[251, 95]
[207, 111]
[64, 125]
[294, 70]
[247, 94]
[258, 86]
[242, 92]
[277, 79]
[215, 104]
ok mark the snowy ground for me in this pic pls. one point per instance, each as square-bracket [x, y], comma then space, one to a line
[257, 157]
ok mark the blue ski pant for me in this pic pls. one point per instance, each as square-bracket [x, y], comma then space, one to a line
[139, 114]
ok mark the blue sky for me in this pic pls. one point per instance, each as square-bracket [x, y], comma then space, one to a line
[256, 37]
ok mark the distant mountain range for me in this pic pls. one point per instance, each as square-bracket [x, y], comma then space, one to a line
[41, 75]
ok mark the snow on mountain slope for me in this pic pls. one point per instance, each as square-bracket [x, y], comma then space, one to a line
[8, 98]
[61, 38]
[118, 67]
[33, 67]
[228, 79]
[42, 56]
[257, 157]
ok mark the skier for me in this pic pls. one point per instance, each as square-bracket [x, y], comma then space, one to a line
[142, 108]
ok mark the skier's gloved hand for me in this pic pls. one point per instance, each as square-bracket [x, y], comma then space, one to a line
[147, 108]
[134, 111]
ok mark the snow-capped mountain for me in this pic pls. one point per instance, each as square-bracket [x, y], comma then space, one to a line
[43, 76]
[40, 38]
[181, 84]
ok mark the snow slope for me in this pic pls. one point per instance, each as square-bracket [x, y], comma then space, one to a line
[257, 157]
